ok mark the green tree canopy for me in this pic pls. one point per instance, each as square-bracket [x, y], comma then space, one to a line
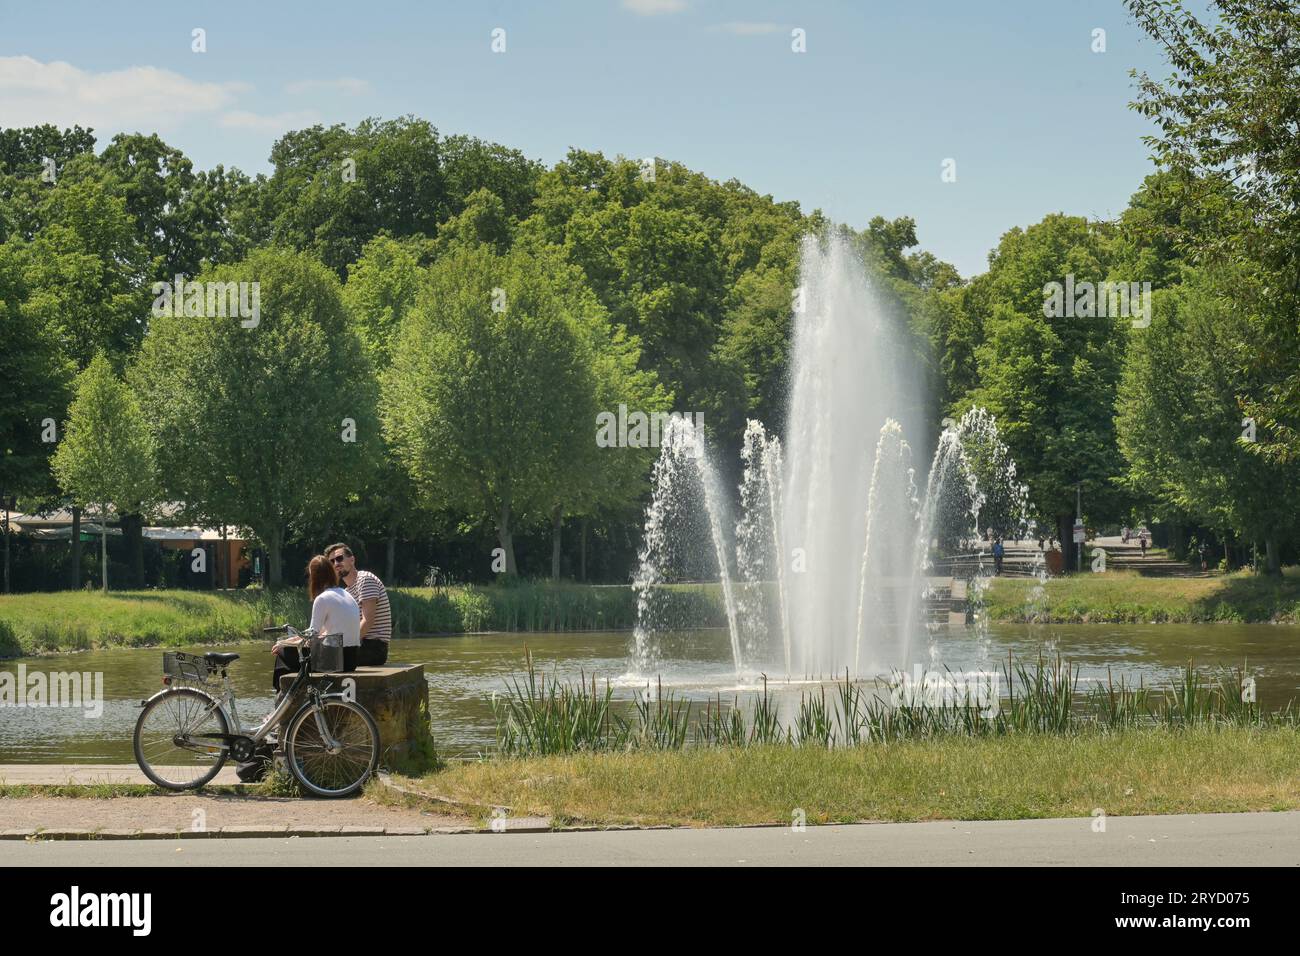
[250, 422]
[106, 456]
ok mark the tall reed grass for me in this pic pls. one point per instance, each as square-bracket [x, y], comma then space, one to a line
[541, 716]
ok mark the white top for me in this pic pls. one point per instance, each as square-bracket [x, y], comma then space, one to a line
[335, 612]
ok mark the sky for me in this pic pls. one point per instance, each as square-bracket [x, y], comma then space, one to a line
[860, 124]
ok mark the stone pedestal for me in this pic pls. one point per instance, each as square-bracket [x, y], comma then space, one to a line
[398, 699]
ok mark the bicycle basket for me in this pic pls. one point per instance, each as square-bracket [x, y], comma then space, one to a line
[186, 667]
[327, 653]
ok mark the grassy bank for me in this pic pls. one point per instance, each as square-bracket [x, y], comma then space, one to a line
[79, 620]
[1119, 597]
[1156, 770]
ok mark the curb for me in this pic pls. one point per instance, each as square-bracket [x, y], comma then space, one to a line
[36, 835]
[515, 825]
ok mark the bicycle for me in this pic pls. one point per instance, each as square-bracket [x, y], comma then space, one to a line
[183, 736]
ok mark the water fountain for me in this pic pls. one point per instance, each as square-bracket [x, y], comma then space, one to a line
[831, 554]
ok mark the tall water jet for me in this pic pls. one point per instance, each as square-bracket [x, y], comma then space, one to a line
[852, 371]
[684, 485]
[761, 606]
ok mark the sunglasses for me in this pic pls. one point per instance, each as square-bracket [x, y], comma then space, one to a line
[338, 558]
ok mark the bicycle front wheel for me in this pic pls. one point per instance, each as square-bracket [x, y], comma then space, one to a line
[340, 765]
[179, 739]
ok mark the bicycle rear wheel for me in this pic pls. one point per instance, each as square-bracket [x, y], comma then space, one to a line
[333, 772]
[173, 742]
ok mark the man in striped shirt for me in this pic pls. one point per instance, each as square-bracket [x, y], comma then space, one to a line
[370, 593]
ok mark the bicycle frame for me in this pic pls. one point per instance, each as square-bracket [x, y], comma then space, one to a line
[224, 699]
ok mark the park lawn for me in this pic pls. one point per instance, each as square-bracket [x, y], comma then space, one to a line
[78, 620]
[1009, 778]
[1125, 597]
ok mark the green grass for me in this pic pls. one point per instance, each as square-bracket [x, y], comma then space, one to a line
[1122, 597]
[1155, 770]
[79, 620]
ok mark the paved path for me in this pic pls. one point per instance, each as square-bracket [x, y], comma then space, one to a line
[1244, 839]
[89, 773]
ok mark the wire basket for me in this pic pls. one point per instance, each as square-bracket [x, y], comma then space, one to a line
[185, 667]
[327, 653]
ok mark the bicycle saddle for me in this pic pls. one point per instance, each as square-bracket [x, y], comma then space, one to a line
[220, 660]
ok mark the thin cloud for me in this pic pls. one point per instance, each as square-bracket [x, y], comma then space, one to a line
[347, 85]
[747, 28]
[32, 93]
[653, 8]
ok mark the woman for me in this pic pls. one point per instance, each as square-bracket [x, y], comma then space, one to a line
[333, 611]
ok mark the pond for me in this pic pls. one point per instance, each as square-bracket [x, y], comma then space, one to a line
[465, 670]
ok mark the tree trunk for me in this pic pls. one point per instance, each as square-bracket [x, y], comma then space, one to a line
[223, 561]
[557, 525]
[1065, 534]
[506, 540]
[273, 558]
[5, 545]
[103, 546]
[133, 532]
[582, 552]
[6, 507]
[76, 548]
[390, 562]
[1273, 563]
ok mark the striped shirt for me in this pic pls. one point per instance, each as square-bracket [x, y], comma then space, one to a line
[368, 586]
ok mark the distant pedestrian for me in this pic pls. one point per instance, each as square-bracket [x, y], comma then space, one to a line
[997, 556]
[1142, 539]
[1202, 550]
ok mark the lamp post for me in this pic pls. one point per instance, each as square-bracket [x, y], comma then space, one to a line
[1078, 522]
[9, 501]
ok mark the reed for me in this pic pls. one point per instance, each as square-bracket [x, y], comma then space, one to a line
[540, 715]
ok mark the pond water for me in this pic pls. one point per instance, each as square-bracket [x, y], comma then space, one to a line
[465, 670]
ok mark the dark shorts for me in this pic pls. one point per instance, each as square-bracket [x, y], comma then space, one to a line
[373, 654]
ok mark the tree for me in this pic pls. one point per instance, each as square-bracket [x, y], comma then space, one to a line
[381, 289]
[336, 188]
[34, 380]
[106, 457]
[491, 389]
[86, 271]
[255, 426]
[1228, 120]
[1050, 382]
[1179, 416]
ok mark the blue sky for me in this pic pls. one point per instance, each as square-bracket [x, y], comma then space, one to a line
[858, 126]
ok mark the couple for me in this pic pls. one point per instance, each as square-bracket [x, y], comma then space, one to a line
[343, 601]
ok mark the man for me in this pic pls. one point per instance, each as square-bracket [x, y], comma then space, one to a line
[997, 555]
[370, 593]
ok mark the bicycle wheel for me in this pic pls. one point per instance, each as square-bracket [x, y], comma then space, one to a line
[326, 771]
[171, 745]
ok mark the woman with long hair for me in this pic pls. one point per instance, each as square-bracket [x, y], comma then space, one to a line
[333, 611]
